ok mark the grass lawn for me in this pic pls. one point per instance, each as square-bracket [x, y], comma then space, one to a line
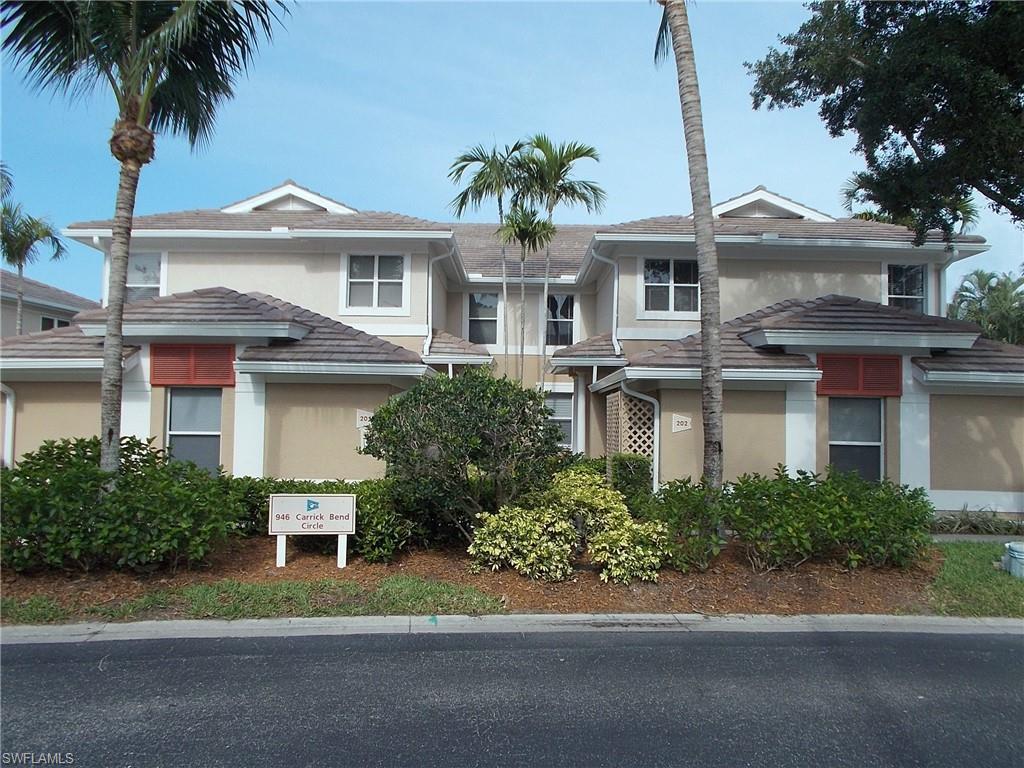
[228, 599]
[968, 585]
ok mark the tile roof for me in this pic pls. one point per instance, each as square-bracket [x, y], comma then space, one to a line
[481, 251]
[986, 355]
[59, 343]
[41, 293]
[848, 313]
[447, 344]
[844, 229]
[263, 221]
[736, 353]
[293, 183]
[596, 346]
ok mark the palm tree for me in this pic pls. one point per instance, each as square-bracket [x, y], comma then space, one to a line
[495, 176]
[22, 235]
[995, 302]
[526, 227]
[675, 31]
[857, 189]
[169, 65]
[6, 181]
[547, 181]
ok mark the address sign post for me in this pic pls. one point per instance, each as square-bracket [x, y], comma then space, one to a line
[299, 514]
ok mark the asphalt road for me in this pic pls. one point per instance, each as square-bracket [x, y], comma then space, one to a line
[581, 699]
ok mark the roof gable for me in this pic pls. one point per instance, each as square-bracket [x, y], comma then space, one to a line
[761, 202]
[289, 196]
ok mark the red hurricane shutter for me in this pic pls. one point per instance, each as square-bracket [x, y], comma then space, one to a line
[865, 375]
[192, 364]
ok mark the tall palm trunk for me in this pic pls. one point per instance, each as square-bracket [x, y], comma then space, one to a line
[522, 316]
[113, 342]
[21, 297]
[704, 231]
[544, 309]
[504, 289]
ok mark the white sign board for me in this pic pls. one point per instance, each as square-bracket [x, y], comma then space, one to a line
[299, 514]
[363, 418]
[681, 423]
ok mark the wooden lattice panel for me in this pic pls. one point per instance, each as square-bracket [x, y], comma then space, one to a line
[637, 427]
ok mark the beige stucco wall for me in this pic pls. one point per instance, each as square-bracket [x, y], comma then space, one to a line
[311, 430]
[31, 317]
[977, 443]
[755, 433]
[53, 410]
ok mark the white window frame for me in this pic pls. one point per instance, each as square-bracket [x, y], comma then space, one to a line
[499, 334]
[575, 334]
[887, 296]
[162, 287]
[403, 311]
[192, 433]
[880, 444]
[557, 388]
[58, 322]
[642, 313]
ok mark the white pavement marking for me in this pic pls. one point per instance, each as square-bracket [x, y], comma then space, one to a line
[507, 623]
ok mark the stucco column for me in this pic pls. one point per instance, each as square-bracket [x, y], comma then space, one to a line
[915, 431]
[801, 426]
[250, 418]
[135, 406]
[579, 416]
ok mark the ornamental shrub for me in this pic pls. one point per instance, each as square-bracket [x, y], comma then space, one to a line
[631, 476]
[783, 521]
[457, 447]
[538, 542]
[627, 549]
[159, 512]
[692, 516]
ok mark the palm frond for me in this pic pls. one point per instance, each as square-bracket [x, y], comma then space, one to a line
[663, 44]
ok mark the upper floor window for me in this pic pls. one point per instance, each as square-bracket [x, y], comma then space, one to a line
[671, 285]
[483, 318]
[143, 277]
[49, 323]
[560, 316]
[908, 286]
[375, 282]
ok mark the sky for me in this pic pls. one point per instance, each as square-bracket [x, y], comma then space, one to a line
[368, 103]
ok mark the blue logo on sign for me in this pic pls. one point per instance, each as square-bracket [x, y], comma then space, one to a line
[311, 505]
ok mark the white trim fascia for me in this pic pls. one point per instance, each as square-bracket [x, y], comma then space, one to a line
[403, 311]
[765, 196]
[43, 304]
[588, 362]
[334, 369]
[458, 359]
[513, 280]
[251, 330]
[693, 374]
[889, 339]
[251, 203]
[654, 334]
[823, 242]
[85, 235]
[996, 501]
[970, 378]
[62, 363]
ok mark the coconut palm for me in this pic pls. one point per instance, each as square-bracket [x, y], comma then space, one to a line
[995, 302]
[169, 65]
[494, 176]
[526, 227]
[547, 181]
[857, 189]
[22, 237]
[6, 181]
[674, 33]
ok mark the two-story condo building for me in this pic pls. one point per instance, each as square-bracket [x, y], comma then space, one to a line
[262, 336]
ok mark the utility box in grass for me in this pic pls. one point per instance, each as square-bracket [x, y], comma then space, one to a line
[1013, 559]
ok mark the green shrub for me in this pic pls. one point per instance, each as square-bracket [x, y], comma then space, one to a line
[978, 522]
[539, 542]
[381, 531]
[582, 497]
[692, 516]
[158, 513]
[631, 476]
[598, 465]
[627, 550]
[783, 521]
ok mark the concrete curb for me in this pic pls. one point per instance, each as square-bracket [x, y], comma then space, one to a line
[509, 623]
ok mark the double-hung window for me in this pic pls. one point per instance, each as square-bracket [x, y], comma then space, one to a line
[483, 318]
[193, 425]
[143, 277]
[908, 287]
[560, 312]
[49, 323]
[671, 285]
[375, 282]
[560, 405]
[855, 435]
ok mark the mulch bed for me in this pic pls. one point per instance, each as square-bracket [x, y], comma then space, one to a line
[729, 586]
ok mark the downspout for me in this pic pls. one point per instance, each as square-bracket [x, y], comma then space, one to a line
[430, 299]
[8, 457]
[656, 460]
[615, 298]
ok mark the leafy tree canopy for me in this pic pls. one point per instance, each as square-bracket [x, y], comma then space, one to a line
[933, 90]
[995, 302]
